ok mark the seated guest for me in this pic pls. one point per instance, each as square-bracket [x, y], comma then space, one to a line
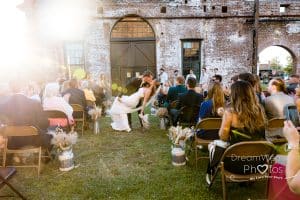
[254, 83]
[162, 96]
[244, 116]
[64, 86]
[274, 104]
[53, 101]
[217, 78]
[226, 90]
[33, 91]
[187, 99]
[76, 96]
[293, 84]
[175, 90]
[247, 77]
[297, 98]
[213, 106]
[258, 90]
[20, 110]
[89, 94]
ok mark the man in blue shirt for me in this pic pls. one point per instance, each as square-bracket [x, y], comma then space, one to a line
[175, 90]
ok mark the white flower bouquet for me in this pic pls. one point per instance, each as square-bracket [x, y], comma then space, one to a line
[63, 140]
[177, 134]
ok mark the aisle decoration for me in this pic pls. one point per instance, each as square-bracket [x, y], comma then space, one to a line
[95, 115]
[179, 137]
[63, 142]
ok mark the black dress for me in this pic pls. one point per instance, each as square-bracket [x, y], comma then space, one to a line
[237, 166]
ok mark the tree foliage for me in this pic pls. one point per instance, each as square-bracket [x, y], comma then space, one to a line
[289, 67]
[275, 64]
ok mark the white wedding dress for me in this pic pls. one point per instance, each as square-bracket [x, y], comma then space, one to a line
[122, 106]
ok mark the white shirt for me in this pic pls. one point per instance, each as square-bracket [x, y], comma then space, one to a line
[164, 77]
[204, 78]
[58, 103]
[188, 76]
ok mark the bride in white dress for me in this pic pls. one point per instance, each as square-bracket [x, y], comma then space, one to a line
[126, 104]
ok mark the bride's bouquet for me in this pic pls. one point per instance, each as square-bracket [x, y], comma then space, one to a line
[145, 120]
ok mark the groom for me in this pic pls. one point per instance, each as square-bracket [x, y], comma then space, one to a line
[133, 86]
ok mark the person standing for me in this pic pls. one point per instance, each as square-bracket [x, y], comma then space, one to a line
[204, 79]
[190, 75]
[163, 76]
[175, 77]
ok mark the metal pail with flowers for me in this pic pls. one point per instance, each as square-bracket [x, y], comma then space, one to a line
[66, 159]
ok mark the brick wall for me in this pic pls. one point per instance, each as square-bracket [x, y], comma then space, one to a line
[226, 37]
[224, 26]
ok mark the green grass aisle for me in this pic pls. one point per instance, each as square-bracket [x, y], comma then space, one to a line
[121, 165]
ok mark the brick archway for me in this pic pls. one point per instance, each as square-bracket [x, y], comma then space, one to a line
[285, 45]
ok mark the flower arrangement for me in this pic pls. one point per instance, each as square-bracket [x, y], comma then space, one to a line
[178, 136]
[63, 140]
[95, 113]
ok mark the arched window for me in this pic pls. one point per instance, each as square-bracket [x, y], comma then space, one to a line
[132, 27]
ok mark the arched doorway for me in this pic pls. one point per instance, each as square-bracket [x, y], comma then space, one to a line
[275, 61]
[132, 49]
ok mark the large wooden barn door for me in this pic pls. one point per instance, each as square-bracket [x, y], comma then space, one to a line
[132, 50]
[130, 59]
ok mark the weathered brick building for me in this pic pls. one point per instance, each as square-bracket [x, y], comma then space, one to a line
[126, 37]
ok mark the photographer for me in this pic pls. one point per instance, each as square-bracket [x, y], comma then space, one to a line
[293, 160]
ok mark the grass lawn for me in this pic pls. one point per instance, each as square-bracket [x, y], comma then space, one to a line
[121, 165]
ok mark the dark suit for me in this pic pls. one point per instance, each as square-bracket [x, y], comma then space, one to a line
[76, 96]
[20, 110]
[133, 86]
[187, 99]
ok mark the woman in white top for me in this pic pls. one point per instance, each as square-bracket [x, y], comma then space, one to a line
[53, 101]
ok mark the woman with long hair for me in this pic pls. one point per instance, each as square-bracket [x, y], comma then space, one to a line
[245, 115]
[213, 106]
[243, 120]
